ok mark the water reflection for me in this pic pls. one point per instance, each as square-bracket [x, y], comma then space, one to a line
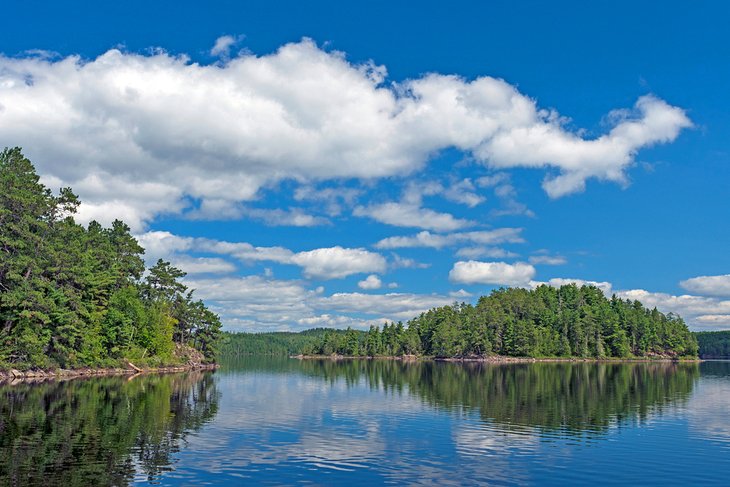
[99, 431]
[573, 398]
[277, 421]
[423, 423]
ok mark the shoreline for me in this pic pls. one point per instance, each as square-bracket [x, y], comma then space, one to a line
[502, 359]
[15, 376]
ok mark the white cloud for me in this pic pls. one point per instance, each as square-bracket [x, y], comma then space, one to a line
[713, 321]
[546, 144]
[463, 192]
[295, 217]
[334, 199]
[370, 282]
[220, 209]
[337, 262]
[256, 303]
[437, 241]
[411, 215]
[323, 263]
[399, 262]
[498, 273]
[461, 293]
[708, 285]
[395, 306]
[222, 131]
[203, 265]
[223, 44]
[547, 260]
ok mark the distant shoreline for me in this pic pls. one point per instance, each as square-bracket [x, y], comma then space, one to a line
[14, 376]
[498, 359]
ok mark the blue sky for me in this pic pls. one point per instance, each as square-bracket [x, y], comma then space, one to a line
[282, 154]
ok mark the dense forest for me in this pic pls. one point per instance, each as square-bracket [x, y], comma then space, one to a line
[714, 344]
[74, 296]
[568, 321]
[274, 343]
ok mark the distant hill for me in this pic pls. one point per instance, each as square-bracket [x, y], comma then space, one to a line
[273, 343]
[714, 344]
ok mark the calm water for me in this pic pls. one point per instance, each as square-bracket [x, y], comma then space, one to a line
[279, 421]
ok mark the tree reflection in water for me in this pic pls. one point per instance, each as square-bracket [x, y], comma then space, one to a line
[99, 431]
[570, 398]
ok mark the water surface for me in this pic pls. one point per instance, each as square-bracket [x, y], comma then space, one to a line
[263, 420]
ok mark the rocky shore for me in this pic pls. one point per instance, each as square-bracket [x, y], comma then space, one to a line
[14, 375]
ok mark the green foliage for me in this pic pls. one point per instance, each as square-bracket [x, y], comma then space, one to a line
[72, 296]
[568, 321]
[714, 344]
[286, 343]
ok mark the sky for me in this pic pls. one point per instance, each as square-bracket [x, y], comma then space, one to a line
[336, 164]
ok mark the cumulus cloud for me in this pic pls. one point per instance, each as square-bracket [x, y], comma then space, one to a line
[220, 209]
[497, 273]
[337, 262]
[411, 215]
[203, 265]
[370, 282]
[223, 44]
[547, 260]
[396, 306]
[461, 293]
[437, 241]
[323, 263]
[197, 132]
[257, 303]
[708, 285]
[398, 262]
[463, 192]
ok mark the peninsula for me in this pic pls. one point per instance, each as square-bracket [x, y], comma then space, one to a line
[75, 298]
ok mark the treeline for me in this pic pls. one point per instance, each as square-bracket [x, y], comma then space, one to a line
[74, 296]
[568, 321]
[714, 344]
[273, 343]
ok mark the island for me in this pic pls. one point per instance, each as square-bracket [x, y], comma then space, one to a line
[79, 300]
[511, 324]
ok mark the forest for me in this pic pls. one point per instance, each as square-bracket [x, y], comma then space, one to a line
[74, 296]
[714, 344]
[274, 343]
[568, 321]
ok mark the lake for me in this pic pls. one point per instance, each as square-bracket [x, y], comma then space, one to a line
[266, 420]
